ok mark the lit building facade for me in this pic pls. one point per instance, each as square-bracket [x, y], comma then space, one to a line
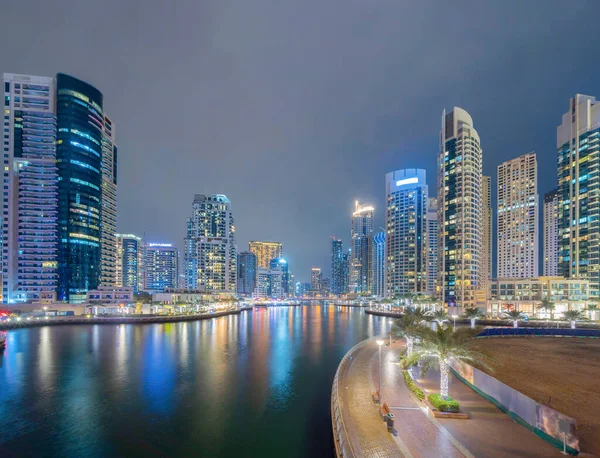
[460, 202]
[578, 144]
[265, 251]
[282, 265]
[80, 122]
[29, 215]
[487, 240]
[361, 235]
[210, 250]
[432, 247]
[406, 228]
[269, 284]
[526, 294]
[161, 267]
[339, 284]
[316, 279]
[518, 214]
[129, 269]
[551, 207]
[378, 282]
[246, 273]
[108, 213]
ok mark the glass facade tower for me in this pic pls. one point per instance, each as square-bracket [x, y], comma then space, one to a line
[79, 159]
[246, 273]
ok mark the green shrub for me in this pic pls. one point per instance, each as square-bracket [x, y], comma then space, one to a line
[443, 405]
[412, 386]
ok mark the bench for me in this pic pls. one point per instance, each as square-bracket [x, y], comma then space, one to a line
[384, 410]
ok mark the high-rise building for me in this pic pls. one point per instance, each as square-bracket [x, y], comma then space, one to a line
[161, 267]
[486, 234]
[79, 151]
[129, 269]
[518, 218]
[246, 273]
[460, 202]
[551, 207]
[265, 251]
[316, 279]
[432, 247]
[578, 144]
[210, 251]
[29, 215]
[346, 272]
[338, 281]
[282, 265]
[269, 284]
[378, 282]
[108, 213]
[361, 235]
[406, 227]
[326, 285]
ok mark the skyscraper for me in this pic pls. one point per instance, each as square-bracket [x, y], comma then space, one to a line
[432, 247]
[161, 267]
[460, 202]
[337, 267]
[378, 282]
[486, 234]
[361, 234]
[551, 233]
[108, 214]
[79, 159]
[246, 273]
[265, 251]
[29, 215]
[406, 227]
[282, 265]
[316, 279]
[578, 187]
[518, 218]
[210, 251]
[269, 284]
[129, 269]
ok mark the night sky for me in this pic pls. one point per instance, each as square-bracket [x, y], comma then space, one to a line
[294, 109]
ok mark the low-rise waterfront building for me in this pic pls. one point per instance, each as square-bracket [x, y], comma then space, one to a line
[110, 295]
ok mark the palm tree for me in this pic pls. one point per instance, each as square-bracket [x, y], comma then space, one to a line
[440, 347]
[473, 314]
[548, 306]
[573, 316]
[419, 313]
[440, 316]
[515, 316]
[592, 308]
[409, 327]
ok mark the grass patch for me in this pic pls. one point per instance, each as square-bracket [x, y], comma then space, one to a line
[412, 386]
[443, 405]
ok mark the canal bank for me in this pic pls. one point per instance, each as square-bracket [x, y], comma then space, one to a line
[359, 430]
[16, 323]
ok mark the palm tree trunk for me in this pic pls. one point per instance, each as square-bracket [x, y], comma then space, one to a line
[409, 346]
[572, 325]
[515, 324]
[444, 378]
[472, 322]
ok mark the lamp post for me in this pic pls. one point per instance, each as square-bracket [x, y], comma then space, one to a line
[454, 328]
[379, 343]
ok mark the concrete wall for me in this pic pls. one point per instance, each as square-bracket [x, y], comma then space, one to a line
[539, 418]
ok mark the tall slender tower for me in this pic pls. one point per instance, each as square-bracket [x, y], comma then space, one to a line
[337, 266]
[406, 227]
[486, 235]
[129, 269]
[518, 233]
[460, 202]
[578, 144]
[361, 234]
[108, 214]
[29, 217]
[378, 282]
[551, 233]
[246, 273]
[210, 251]
[432, 247]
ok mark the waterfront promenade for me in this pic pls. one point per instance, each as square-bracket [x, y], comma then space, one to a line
[15, 323]
[488, 433]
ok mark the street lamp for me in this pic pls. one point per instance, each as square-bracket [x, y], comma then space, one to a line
[454, 316]
[379, 343]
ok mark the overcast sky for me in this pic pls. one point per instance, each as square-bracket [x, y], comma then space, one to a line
[294, 109]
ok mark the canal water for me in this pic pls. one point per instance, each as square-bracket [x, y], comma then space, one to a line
[251, 385]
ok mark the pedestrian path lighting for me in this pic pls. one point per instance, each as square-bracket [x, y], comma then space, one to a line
[379, 343]
[454, 328]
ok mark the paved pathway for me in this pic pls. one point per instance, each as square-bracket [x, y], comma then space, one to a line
[488, 433]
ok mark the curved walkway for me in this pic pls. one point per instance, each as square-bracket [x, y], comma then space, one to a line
[417, 432]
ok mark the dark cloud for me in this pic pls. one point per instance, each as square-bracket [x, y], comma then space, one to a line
[296, 109]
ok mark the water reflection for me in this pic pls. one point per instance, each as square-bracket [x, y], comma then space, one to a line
[257, 384]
